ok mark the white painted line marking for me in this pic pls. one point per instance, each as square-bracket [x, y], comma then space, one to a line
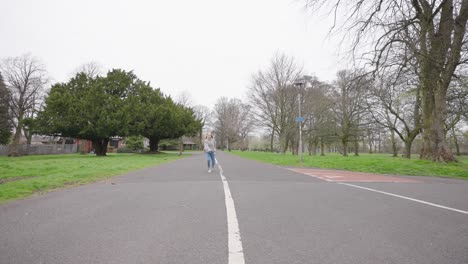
[236, 252]
[407, 198]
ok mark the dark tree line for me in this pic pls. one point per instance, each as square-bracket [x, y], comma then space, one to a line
[356, 110]
[5, 123]
[88, 106]
[428, 36]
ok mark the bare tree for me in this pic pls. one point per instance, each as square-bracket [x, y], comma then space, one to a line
[457, 107]
[395, 103]
[349, 109]
[433, 33]
[185, 99]
[203, 114]
[233, 121]
[371, 134]
[91, 69]
[273, 97]
[246, 124]
[25, 78]
[316, 108]
[456, 136]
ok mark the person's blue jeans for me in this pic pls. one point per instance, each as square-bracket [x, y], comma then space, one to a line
[210, 156]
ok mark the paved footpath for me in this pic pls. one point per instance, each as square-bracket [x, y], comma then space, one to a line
[249, 213]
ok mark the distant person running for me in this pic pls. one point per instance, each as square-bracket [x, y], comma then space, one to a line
[209, 146]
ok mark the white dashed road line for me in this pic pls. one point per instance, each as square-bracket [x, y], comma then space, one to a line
[236, 252]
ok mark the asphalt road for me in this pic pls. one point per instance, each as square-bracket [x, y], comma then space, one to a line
[177, 213]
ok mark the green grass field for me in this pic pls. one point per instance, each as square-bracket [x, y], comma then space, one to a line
[375, 163]
[24, 176]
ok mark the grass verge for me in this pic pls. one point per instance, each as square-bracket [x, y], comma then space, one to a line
[374, 163]
[24, 176]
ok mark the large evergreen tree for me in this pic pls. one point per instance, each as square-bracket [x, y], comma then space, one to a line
[156, 116]
[90, 108]
[97, 108]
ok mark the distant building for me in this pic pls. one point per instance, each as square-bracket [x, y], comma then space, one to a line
[189, 144]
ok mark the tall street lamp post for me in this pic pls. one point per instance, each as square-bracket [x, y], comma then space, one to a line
[300, 83]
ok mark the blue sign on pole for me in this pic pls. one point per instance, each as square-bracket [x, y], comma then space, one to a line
[300, 119]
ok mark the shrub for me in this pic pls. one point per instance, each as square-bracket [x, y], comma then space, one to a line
[125, 150]
[134, 143]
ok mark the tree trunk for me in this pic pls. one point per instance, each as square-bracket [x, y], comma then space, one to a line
[100, 146]
[380, 144]
[154, 144]
[181, 145]
[345, 147]
[408, 144]
[221, 142]
[455, 142]
[314, 151]
[201, 138]
[394, 146]
[434, 144]
[322, 147]
[13, 149]
[294, 146]
[272, 139]
[285, 147]
[356, 148]
[457, 146]
[28, 136]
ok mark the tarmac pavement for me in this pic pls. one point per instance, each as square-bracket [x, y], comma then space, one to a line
[177, 213]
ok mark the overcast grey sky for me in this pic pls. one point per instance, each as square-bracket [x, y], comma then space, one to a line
[207, 47]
